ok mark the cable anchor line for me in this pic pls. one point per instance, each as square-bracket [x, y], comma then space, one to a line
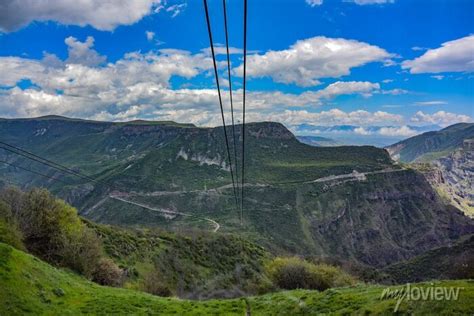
[230, 92]
[242, 194]
[220, 97]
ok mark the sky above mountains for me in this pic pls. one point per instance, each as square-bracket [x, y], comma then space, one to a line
[394, 63]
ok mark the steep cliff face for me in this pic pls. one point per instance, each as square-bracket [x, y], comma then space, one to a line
[453, 177]
[384, 219]
[376, 219]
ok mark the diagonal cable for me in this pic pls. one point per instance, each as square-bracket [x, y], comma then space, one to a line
[26, 154]
[220, 97]
[230, 92]
[35, 172]
[243, 115]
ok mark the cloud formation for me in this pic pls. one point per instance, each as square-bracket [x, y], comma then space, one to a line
[314, 3]
[366, 2]
[441, 118]
[431, 103]
[149, 35]
[176, 9]
[335, 117]
[452, 56]
[103, 15]
[82, 52]
[306, 61]
[137, 86]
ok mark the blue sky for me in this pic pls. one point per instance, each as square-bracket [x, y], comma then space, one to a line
[387, 63]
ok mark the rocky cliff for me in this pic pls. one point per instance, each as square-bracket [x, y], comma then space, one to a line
[453, 177]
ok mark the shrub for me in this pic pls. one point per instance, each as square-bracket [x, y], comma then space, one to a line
[9, 231]
[10, 234]
[81, 251]
[295, 273]
[46, 222]
[107, 273]
[52, 230]
[153, 283]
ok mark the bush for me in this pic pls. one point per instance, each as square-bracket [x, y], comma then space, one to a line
[46, 222]
[10, 234]
[81, 251]
[52, 230]
[295, 273]
[9, 231]
[153, 283]
[107, 273]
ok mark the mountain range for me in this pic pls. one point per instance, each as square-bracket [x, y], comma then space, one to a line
[349, 202]
[379, 136]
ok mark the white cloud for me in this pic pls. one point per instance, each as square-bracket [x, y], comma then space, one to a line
[15, 69]
[82, 53]
[430, 103]
[222, 50]
[404, 131]
[176, 9]
[438, 77]
[149, 35]
[394, 91]
[314, 3]
[138, 86]
[364, 88]
[418, 48]
[332, 117]
[452, 56]
[102, 15]
[362, 131]
[308, 60]
[387, 80]
[441, 118]
[366, 2]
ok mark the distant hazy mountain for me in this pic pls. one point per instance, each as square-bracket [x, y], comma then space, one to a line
[379, 136]
[318, 141]
[431, 145]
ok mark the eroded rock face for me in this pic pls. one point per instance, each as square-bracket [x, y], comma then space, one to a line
[453, 177]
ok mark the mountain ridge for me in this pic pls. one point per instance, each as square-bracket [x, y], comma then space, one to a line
[431, 145]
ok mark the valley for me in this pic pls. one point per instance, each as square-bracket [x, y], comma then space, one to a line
[345, 202]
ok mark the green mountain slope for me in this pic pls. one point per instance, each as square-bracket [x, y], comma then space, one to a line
[30, 286]
[349, 202]
[450, 262]
[431, 145]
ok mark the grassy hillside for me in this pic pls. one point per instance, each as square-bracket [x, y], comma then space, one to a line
[198, 264]
[432, 145]
[30, 286]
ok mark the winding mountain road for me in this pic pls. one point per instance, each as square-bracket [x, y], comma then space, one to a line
[216, 225]
[354, 176]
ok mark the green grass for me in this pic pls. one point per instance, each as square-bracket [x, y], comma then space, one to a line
[30, 286]
[201, 260]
